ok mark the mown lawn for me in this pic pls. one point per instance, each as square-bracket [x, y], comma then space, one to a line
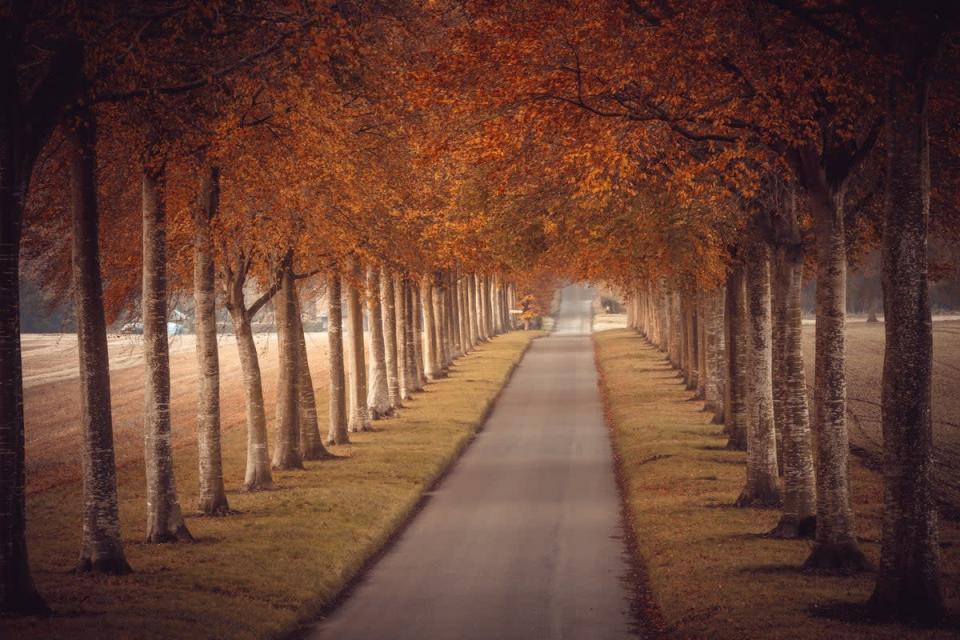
[287, 553]
[710, 571]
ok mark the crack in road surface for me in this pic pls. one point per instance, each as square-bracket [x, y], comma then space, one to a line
[522, 539]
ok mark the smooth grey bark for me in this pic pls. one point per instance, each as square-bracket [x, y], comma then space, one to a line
[164, 518]
[440, 325]
[405, 374]
[761, 488]
[311, 442]
[482, 305]
[463, 346]
[213, 497]
[472, 315]
[101, 546]
[497, 317]
[792, 416]
[378, 395]
[286, 451]
[25, 127]
[431, 368]
[908, 582]
[690, 340]
[338, 433]
[700, 311]
[735, 339]
[675, 338]
[715, 361]
[388, 304]
[415, 345]
[235, 270]
[835, 546]
[359, 418]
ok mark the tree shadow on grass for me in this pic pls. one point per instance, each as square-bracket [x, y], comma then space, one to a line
[861, 613]
[772, 569]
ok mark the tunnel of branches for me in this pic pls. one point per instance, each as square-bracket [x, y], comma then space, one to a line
[439, 164]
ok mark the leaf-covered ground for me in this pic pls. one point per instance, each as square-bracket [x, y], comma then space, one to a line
[287, 553]
[711, 571]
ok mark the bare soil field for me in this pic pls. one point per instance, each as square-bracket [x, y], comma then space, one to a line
[52, 398]
[864, 369]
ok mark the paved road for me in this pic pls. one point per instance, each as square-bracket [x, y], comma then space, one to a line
[521, 540]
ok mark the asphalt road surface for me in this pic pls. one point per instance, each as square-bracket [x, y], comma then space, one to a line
[522, 539]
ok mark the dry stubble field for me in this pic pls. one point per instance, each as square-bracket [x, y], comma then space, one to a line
[52, 398]
[864, 368]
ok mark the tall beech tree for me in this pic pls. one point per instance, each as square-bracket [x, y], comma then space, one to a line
[213, 497]
[165, 521]
[102, 548]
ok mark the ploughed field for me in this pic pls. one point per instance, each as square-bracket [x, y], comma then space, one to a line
[864, 370]
[52, 398]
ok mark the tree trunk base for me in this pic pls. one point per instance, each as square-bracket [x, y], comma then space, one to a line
[179, 534]
[260, 482]
[759, 498]
[332, 442]
[380, 414]
[910, 602]
[737, 442]
[112, 565]
[214, 506]
[843, 557]
[20, 603]
[789, 528]
[314, 453]
[290, 462]
[718, 417]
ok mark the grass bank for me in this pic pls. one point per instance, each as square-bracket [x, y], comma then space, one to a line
[288, 553]
[711, 572]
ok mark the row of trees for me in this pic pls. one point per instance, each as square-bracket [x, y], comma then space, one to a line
[700, 155]
[667, 147]
[247, 154]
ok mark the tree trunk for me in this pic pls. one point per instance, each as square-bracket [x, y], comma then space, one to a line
[359, 418]
[908, 584]
[472, 315]
[690, 340]
[311, 442]
[416, 310]
[378, 395]
[463, 337]
[835, 546]
[164, 518]
[411, 337]
[761, 488]
[286, 452]
[101, 548]
[482, 304]
[18, 595]
[258, 475]
[734, 315]
[440, 327]
[338, 433]
[430, 367]
[390, 346]
[700, 310]
[715, 357]
[799, 484]
[405, 377]
[213, 497]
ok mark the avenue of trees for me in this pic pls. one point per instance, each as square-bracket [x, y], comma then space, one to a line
[431, 164]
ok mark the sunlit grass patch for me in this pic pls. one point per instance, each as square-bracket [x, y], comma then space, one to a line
[288, 552]
[710, 569]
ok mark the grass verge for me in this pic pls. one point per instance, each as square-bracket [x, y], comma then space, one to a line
[288, 553]
[711, 571]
